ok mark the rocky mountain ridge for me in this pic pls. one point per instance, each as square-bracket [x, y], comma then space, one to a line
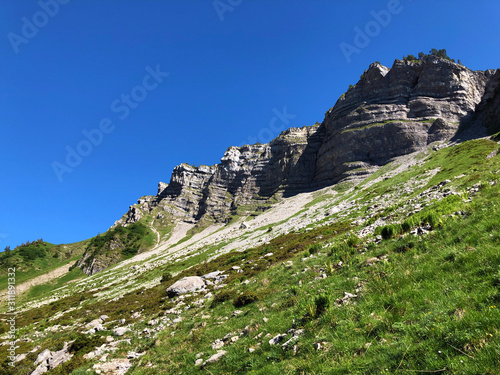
[390, 112]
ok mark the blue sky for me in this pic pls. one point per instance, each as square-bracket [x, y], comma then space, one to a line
[238, 72]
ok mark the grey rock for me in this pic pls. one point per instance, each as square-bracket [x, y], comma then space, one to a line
[198, 362]
[43, 356]
[120, 331]
[390, 112]
[217, 344]
[185, 285]
[212, 275]
[277, 339]
[216, 357]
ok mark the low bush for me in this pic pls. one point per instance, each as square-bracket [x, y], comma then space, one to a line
[222, 296]
[245, 299]
[84, 344]
[166, 277]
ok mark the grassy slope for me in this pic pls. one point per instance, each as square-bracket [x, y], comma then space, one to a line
[56, 256]
[432, 306]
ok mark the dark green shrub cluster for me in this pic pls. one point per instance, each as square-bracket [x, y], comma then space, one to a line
[390, 231]
[322, 302]
[166, 277]
[313, 249]
[245, 299]
[222, 296]
[440, 54]
[32, 252]
[84, 344]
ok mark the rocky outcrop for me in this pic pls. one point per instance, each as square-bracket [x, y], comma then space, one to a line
[393, 112]
[389, 112]
[246, 176]
[48, 360]
[488, 111]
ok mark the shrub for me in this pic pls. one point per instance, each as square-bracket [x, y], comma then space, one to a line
[166, 277]
[32, 252]
[322, 302]
[432, 219]
[222, 296]
[313, 249]
[84, 344]
[317, 307]
[245, 299]
[390, 231]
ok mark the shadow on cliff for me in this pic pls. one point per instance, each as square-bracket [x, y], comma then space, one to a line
[297, 173]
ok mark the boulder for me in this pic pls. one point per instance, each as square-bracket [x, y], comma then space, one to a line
[185, 285]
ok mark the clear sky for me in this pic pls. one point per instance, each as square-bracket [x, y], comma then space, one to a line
[90, 120]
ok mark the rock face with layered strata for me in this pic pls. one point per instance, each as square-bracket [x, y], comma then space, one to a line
[393, 112]
[388, 113]
[246, 176]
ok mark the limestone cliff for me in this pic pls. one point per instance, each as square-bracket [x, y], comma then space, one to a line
[388, 113]
[392, 112]
[246, 176]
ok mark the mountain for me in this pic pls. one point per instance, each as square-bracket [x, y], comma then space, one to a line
[364, 244]
[388, 113]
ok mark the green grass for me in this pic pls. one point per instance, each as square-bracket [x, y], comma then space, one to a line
[119, 243]
[433, 306]
[52, 257]
[47, 288]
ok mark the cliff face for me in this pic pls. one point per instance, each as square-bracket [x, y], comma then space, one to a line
[388, 113]
[392, 112]
[246, 176]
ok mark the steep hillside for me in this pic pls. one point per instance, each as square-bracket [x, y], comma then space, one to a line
[397, 273]
[390, 112]
[37, 258]
[115, 245]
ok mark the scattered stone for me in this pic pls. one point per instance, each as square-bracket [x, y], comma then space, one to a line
[277, 339]
[198, 362]
[212, 275]
[217, 344]
[215, 357]
[120, 331]
[93, 324]
[118, 366]
[237, 312]
[48, 360]
[133, 355]
[346, 299]
[251, 350]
